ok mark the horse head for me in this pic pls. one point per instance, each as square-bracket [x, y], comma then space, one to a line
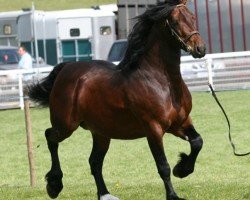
[182, 24]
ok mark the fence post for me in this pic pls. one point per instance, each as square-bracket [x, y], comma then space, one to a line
[20, 85]
[209, 63]
[127, 19]
[29, 141]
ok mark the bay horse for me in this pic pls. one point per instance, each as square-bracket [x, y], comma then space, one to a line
[144, 96]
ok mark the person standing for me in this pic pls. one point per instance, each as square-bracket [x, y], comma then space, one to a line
[25, 63]
[26, 60]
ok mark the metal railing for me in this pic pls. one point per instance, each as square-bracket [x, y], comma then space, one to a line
[225, 71]
[13, 82]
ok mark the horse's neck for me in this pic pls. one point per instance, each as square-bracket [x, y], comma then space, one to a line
[164, 57]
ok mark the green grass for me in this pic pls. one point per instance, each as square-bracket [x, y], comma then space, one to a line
[129, 169]
[50, 4]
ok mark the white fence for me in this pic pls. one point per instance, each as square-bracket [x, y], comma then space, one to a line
[13, 82]
[228, 71]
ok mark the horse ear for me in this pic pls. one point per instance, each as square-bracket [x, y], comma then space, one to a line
[183, 2]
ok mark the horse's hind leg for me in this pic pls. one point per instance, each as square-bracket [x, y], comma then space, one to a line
[99, 150]
[187, 162]
[54, 176]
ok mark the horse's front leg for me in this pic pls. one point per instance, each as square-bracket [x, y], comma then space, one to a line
[187, 162]
[99, 150]
[156, 145]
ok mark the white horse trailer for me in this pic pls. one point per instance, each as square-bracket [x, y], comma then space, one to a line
[8, 28]
[67, 35]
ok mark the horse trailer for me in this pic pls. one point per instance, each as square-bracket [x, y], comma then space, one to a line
[67, 35]
[8, 28]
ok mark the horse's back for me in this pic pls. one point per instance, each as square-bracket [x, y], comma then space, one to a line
[73, 70]
[76, 71]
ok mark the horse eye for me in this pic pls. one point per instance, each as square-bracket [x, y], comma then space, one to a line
[174, 22]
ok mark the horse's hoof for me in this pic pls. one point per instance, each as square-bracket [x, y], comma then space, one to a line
[108, 197]
[182, 169]
[54, 184]
[54, 190]
[181, 172]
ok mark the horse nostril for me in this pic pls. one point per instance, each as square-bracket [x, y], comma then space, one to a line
[201, 50]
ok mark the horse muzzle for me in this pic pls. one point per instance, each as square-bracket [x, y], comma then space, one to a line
[198, 51]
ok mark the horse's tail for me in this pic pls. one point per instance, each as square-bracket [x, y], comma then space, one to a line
[40, 92]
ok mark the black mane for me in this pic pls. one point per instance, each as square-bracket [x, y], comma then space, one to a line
[137, 38]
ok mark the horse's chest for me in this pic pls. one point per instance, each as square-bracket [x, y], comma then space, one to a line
[179, 115]
[161, 102]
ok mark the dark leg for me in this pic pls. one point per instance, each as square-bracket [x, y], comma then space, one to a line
[187, 162]
[156, 146]
[99, 150]
[54, 176]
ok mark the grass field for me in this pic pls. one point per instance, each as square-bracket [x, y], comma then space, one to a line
[50, 4]
[129, 169]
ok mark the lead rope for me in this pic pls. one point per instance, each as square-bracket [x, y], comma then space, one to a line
[228, 122]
